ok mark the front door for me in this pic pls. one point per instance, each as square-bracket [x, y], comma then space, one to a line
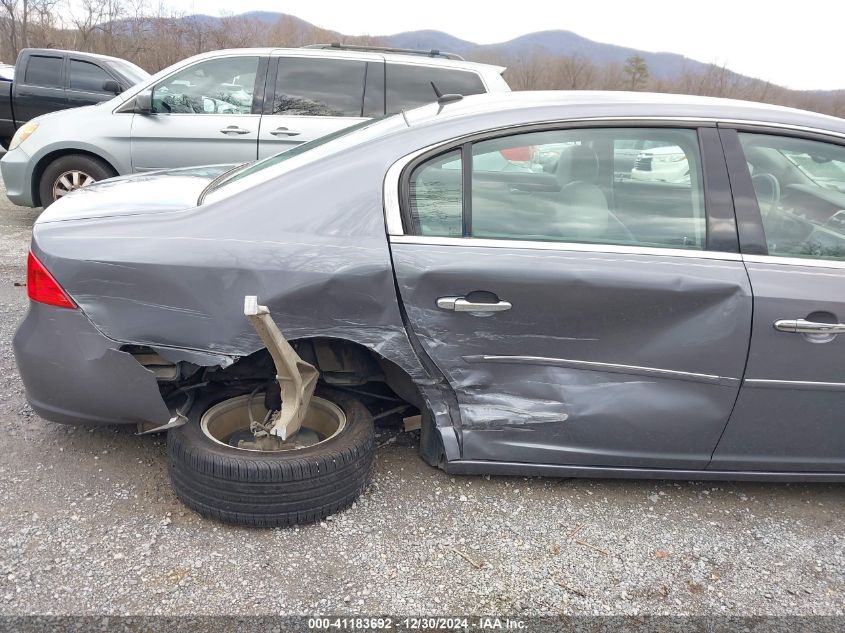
[309, 97]
[790, 415]
[577, 320]
[202, 115]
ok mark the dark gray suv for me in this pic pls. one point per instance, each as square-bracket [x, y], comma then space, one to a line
[482, 263]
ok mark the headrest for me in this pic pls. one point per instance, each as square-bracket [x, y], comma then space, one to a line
[577, 163]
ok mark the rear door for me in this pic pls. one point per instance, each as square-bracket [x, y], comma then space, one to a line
[310, 97]
[790, 196]
[40, 88]
[207, 113]
[576, 325]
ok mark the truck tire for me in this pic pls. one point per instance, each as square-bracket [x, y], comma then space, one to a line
[272, 488]
[5, 142]
[70, 172]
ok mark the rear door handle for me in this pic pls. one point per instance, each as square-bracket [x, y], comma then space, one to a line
[460, 304]
[802, 326]
[234, 129]
[283, 131]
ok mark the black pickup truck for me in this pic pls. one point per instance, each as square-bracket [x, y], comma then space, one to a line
[46, 79]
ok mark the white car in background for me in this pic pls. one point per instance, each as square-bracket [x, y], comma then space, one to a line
[661, 164]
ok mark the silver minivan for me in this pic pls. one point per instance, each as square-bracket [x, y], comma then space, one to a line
[229, 106]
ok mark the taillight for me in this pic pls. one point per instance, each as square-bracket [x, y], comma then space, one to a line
[42, 287]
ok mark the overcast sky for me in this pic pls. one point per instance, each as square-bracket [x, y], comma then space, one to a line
[796, 43]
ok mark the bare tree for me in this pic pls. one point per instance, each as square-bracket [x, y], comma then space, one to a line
[573, 73]
[529, 72]
[15, 22]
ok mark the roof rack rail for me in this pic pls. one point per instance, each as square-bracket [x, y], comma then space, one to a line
[387, 49]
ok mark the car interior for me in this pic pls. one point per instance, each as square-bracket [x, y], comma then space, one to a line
[800, 188]
[219, 86]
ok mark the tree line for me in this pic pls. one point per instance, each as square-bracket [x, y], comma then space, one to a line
[155, 36]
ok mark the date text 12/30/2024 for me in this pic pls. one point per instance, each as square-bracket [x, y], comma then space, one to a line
[417, 623]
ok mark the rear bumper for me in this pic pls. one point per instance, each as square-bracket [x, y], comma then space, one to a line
[75, 375]
[15, 169]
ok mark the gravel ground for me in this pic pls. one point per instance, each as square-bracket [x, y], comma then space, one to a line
[91, 526]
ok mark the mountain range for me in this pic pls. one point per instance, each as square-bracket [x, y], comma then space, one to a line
[555, 42]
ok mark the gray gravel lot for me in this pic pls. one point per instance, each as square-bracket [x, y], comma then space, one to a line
[90, 526]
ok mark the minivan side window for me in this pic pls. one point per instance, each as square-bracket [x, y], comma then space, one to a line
[216, 86]
[570, 186]
[319, 87]
[800, 189]
[42, 70]
[87, 77]
[409, 85]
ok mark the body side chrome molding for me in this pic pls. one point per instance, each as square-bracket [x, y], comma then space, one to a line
[474, 242]
[807, 385]
[793, 261]
[653, 372]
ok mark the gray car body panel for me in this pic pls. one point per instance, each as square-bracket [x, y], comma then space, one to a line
[780, 423]
[311, 243]
[646, 348]
[74, 374]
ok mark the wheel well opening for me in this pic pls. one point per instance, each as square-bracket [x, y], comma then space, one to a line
[388, 391]
[49, 158]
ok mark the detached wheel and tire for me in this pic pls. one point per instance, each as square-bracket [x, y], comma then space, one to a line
[321, 471]
[67, 173]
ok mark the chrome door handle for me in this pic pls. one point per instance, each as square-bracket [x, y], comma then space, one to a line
[802, 326]
[283, 131]
[459, 304]
[234, 129]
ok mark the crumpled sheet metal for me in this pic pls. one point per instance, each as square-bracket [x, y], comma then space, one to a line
[603, 358]
[176, 281]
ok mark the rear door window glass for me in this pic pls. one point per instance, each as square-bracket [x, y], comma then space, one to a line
[570, 186]
[42, 70]
[319, 87]
[409, 85]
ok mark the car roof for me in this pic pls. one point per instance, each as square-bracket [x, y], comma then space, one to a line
[575, 104]
[62, 51]
[404, 58]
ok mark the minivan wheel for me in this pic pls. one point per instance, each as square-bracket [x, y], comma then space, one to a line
[68, 173]
[218, 471]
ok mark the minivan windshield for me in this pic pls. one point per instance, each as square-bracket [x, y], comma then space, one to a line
[329, 144]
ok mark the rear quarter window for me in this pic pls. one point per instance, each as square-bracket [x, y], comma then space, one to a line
[409, 86]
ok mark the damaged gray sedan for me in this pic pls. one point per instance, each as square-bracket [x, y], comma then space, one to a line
[487, 263]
